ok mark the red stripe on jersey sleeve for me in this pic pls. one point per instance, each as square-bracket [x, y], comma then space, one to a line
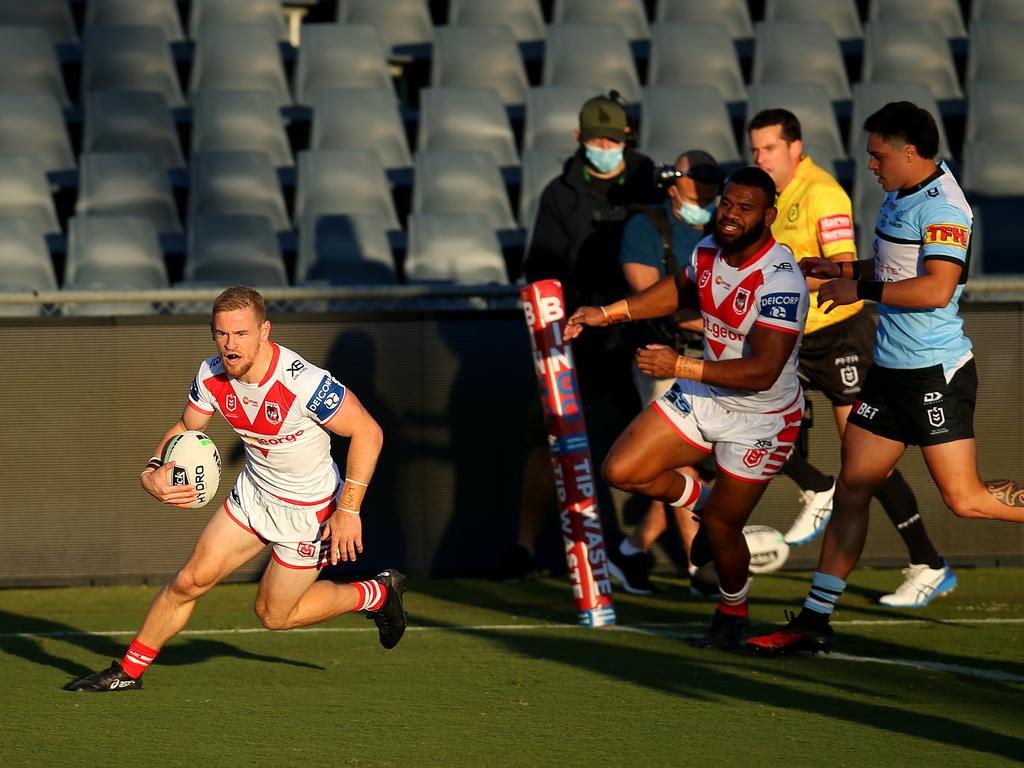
[793, 331]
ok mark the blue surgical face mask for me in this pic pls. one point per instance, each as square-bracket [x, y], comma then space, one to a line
[603, 160]
[694, 215]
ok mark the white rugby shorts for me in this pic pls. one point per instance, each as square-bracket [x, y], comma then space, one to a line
[748, 446]
[293, 528]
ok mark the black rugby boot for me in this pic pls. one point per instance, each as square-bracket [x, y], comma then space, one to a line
[113, 678]
[390, 618]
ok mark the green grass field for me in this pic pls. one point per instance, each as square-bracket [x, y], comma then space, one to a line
[500, 675]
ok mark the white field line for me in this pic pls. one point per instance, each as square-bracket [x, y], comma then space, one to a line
[934, 666]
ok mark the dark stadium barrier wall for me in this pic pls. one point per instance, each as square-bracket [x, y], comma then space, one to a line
[86, 399]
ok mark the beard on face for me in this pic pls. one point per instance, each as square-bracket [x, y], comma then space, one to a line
[742, 240]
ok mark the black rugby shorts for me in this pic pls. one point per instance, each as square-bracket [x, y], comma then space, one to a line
[835, 359]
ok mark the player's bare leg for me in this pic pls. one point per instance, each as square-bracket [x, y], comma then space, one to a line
[727, 510]
[955, 470]
[290, 597]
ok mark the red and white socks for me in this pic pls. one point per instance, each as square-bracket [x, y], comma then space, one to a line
[694, 494]
[137, 659]
[734, 604]
[372, 595]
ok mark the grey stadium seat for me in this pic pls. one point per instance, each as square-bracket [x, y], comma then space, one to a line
[113, 252]
[236, 183]
[994, 52]
[677, 118]
[52, 15]
[993, 168]
[33, 124]
[25, 192]
[811, 104]
[130, 58]
[908, 50]
[553, 115]
[629, 15]
[339, 56]
[233, 57]
[540, 166]
[466, 118]
[995, 237]
[131, 121]
[460, 181]
[360, 118]
[696, 54]
[582, 54]
[453, 247]
[29, 63]
[160, 13]
[867, 199]
[127, 184]
[266, 13]
[945, 13]
[817, 59]
[868, 98]
[234, 249]
[523, 18]
[841, 15]
[349, 181]
[27, 264]
[997, 10]
[995, 112]
[344, 249]
[481, 57]
[398, 22]
[734, 14]
[239, 120]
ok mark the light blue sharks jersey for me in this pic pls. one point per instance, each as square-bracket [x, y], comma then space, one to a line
[929, 221]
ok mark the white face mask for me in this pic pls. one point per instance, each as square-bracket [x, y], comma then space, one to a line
[694, 215]
[603, 160]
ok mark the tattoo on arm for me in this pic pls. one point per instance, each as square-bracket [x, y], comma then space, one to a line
[1008, 492]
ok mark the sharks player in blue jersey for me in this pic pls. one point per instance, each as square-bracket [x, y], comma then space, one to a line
[921, 388]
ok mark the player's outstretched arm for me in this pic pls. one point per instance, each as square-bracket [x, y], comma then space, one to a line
[659, 300]
[157, 481]
[931, 290]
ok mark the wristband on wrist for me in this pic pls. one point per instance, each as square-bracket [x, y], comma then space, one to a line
[870, 290]
[689, 368]
[350, 511]
[617, 312]
[855, 270]
[356, 482]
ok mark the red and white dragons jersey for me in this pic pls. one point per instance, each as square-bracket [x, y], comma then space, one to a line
[287, 452]
[768, 290]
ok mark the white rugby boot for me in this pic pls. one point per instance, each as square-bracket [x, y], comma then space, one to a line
[920, 586]
[811, 521]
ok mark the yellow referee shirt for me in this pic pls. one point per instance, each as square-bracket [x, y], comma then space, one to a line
[816, 219]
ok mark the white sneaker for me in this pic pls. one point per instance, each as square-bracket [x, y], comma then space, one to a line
[922, 584]
[812, 518]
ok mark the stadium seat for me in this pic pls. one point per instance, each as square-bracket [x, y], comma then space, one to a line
[995, 237]
[523, 18]
[841, 15]
[129, 58]
[344, 249]
[398, 22]
[817, 59]
[239, 121]
[267, 13]
[867, 200]
[993, 168]
[27, 264]
[553, 116]
[678, 118]
[360, 118]
[994, 51]
[159, 13]
[453, 247]
[811, 104]
[479, 57]
[52, 15]
[114, 253]
[242, 183]
[868, 98]
[628, 15]
[466, 118]
[583, 54]
[28, 63]
[234, 249]
[238, 57]
[907, 50]
[995, 112]
[25, 193]
[734, 14]
[696, 54]
[127, 184]
[997, 10]
[33, 124]
[339, 56]
[461, 181]
[343, 181]
[131, 121]
[540, 166]
[945, 13]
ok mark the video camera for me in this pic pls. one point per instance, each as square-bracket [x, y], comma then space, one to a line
[665, 175]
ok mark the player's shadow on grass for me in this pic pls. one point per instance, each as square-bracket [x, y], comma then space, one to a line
[183, 650]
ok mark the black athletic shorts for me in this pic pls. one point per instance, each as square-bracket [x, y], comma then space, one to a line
[836, 358]
[916, 406]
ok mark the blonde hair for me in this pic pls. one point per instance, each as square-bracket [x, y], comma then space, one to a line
[241, 297]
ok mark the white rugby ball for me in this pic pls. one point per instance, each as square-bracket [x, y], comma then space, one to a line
[196, 462]
[768, 548]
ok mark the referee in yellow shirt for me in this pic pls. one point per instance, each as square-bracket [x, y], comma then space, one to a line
[815, 220]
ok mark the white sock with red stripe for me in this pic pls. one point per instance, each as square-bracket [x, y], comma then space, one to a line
[734, 604]
[137, 658]
[372, 595]
[694, 494]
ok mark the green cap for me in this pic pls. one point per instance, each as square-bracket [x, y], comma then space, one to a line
[602, 117]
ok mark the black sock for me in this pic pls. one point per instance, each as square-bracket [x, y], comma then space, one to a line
[900, 505]
[805, 474]
[812, 619]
